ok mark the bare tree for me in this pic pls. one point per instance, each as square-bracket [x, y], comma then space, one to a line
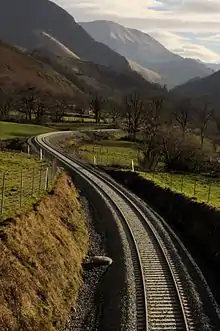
[152, 134]
[114, 111]
[183, 115]
[134, 109]
[96, 104]
[28, 102]
[204, 116]
[6, 102]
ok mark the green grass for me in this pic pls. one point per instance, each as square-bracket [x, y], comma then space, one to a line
[110, 153]
[200, 188]
[14, 130]
[15, 166]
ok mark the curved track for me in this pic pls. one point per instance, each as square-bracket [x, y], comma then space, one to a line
[161, 300]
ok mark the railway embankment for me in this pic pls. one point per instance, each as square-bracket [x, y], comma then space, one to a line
[41, 261]
[198, 225]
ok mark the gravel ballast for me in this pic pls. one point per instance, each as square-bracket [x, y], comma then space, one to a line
[107, 298]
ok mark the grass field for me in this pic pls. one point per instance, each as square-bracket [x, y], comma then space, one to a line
[110, 153]
[14, 130]
[198, 187]
[22, 174]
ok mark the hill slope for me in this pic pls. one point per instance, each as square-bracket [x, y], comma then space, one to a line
[147, 52]
[23, 22]
[209, 86]
[18, 69]
[92, 78]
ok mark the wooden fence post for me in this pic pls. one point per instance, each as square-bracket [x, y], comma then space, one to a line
[3, 192]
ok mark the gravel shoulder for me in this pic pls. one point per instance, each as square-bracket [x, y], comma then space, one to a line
[107, 298]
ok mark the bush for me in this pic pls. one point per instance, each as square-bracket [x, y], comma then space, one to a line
[185, 154]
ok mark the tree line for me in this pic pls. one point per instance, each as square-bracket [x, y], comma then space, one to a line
[174, 132]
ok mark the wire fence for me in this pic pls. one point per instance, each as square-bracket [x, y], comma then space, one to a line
[20, 189]
[200, 188]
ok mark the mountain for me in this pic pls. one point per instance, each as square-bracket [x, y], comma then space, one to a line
[149, 75]
[25, 23]
[208, 86]
[213, 66]
[92, 78]
[144, 50]
[18, 69]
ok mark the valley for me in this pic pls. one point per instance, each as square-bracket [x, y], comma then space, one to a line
[109, 171]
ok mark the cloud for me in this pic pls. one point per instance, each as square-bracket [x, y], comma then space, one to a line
[165, 17]
[185, 46]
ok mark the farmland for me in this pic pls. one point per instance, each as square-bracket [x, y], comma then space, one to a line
[22, 182]
[14, 130]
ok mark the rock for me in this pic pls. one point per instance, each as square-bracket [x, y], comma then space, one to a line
[97, 261]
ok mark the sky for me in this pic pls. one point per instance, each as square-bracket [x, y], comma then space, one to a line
[190, 28]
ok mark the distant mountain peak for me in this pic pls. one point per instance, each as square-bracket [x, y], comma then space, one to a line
[146, 52]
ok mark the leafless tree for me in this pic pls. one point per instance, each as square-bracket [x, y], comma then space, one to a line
[152, 134]
[96, 104]
[134, 111]
[6, 102]
[27, 102]
[204, 116]
[183, 115]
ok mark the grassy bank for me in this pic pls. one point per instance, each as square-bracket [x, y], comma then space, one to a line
[15, 130]
[32, 170]
[200, 188]
[41, 256]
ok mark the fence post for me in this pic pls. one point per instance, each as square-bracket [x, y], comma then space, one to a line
[194, 192]
[28, 150]
[209, 191]
[182, 181]
[46, 179]
[3, 192]
[32, 184]
[39, 188]
[41, 154]
[132, 165]
[171, 181]
[54, 169]
[21, 188]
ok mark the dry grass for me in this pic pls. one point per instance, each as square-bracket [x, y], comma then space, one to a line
[18, 69]
[41, 256]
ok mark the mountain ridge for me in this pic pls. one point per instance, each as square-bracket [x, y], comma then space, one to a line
[22, 27]
[143, 49]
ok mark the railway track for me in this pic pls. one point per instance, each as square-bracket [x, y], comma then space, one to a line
[161, 300]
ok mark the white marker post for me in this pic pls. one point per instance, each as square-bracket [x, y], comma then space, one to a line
[46, 179]
[28, 150]
[41, 154]
[132, 165]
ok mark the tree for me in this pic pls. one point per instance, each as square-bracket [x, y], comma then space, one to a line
[114, 111]
[182, 115]
[134, 110]
[96, 105]
[40, 111]
[204, 115]
[6, 102]
[152, 133]
[28, 102]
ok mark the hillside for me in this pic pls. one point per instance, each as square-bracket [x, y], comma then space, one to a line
[93, 78]
[141, 48]
[25, 23]
[18, 69]
[209, 86]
